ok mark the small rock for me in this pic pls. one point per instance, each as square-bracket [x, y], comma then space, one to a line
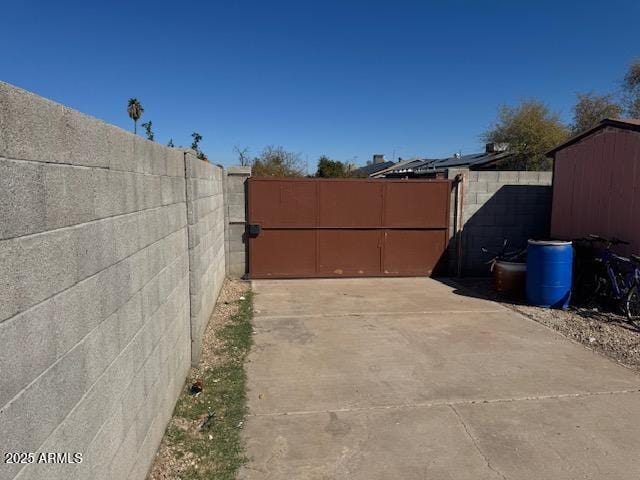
[197, 386]
[592, 339]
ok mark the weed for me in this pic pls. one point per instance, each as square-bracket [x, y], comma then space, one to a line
[215, 446]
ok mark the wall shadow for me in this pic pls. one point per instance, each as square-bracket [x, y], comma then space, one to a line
[514, 212]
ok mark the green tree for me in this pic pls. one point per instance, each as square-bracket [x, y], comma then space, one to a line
[135, 111]
[631, 90]
[195, 146]
[148, 131]
[590, 109]
[530, 129]
[277, 162]
[328, 168]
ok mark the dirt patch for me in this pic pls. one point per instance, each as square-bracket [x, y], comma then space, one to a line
[202, 439]
[603, 331]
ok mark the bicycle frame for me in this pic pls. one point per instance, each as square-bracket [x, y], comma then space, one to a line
[618, 291]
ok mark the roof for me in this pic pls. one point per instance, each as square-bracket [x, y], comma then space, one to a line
[626, 124]
[393, 167]
[374, 168]
[433, 164]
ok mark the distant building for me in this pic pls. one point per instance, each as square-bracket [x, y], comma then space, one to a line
[490, 159]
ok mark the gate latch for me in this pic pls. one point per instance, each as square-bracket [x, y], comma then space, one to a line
[254, 229]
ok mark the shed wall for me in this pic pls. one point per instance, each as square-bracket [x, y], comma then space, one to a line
[597, 188]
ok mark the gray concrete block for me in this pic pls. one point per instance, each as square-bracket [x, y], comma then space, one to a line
[82, 307]
[528, 177]
[470, 198]
[31, 127]
[483, 198]
[236, 185]
[70, 195]
[109, 189]
[28, 348]
[237, 213]
[122, 461]
[239, 170]
[494, 186]
[152, 191]
[34, 268]
[86, 139]
[97, 246]
[476, 187]
[236, 199]
[121, 151]
[508, 177]
[488, 176]
[175, 163]
[545, 178]
[45, 403]
[22, 198]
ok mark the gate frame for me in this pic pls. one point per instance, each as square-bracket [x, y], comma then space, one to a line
[384, 181]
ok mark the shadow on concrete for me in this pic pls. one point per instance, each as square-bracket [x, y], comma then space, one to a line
[481, 287]
[478, 287]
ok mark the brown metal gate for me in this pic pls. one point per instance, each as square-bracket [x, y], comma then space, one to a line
[346, 227]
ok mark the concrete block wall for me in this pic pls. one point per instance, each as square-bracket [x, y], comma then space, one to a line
[206, 217]
[499, 205]
[236, 245]
[104, 236]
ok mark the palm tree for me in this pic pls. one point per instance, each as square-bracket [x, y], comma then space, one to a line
[135, 111]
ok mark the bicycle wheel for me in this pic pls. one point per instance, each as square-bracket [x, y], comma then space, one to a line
[632, 306]
[588, 287]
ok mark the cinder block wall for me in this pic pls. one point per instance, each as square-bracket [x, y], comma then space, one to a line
[237, 248]
[96, 252]
[499, 205]
[205, 214]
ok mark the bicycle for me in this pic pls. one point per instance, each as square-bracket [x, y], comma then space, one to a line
[611, 277]
[516, 256]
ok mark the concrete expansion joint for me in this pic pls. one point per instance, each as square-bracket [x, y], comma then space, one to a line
[475, 443]
[451, 404]
[377, 314]
[51, 162]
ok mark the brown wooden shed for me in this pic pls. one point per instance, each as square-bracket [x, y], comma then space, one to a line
[596, 184]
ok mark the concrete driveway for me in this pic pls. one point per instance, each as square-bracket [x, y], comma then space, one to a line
[405, 379]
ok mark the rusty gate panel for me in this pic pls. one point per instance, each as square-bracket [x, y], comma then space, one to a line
[413, 205]
[283, 253]
[350, 253]
[413, 252]
[350, 204]
[283, 203]
[346, 227]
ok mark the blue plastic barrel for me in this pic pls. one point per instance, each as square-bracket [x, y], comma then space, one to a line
[549, 271]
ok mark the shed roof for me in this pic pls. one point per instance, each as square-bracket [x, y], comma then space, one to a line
[623, 123]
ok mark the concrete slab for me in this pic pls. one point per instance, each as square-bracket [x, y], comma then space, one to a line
[364, 445]
[596, 436]
[403, 378]
[344, 296]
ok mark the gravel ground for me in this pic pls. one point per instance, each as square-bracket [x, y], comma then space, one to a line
[605, 332]
[169, 463]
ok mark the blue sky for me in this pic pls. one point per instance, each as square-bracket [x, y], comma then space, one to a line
[341, 78]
